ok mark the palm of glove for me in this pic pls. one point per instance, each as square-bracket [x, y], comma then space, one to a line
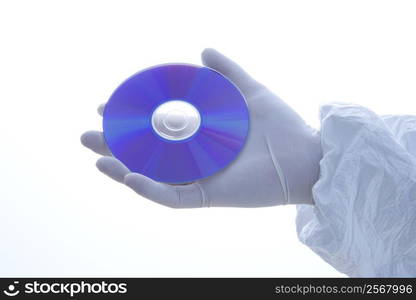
[278, 164]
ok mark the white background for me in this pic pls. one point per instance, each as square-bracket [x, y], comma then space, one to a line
[59, 59]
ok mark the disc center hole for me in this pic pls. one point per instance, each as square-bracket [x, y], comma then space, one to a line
[176, 120]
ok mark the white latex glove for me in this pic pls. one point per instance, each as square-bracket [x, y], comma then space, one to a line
[278, 165]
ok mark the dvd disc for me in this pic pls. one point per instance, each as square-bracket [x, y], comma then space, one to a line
[176, 123]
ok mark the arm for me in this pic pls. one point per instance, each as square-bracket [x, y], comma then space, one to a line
[364, 219]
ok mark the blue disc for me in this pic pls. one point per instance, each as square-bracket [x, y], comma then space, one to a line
[176, 123]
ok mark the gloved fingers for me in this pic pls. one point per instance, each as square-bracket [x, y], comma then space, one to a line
[217, 61]
[100, 109]
[112, 168]
[94, 140]
[174, 196]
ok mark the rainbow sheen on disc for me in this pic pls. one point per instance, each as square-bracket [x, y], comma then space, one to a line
[176, 123]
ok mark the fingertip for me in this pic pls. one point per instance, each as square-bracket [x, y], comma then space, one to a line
[211, 57]
[207, 53]
[100, 109]
[208, 50]
[89, 139]
[215, 60]
[94, 140]
[84, 139]
[103, 163]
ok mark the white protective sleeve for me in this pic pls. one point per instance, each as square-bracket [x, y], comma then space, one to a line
[363, 222]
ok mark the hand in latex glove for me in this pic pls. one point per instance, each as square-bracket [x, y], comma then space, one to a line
[278, 164]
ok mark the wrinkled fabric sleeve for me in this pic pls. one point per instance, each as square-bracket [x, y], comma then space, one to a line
[363, 222]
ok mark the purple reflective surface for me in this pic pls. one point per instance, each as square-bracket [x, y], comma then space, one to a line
[131, 138]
